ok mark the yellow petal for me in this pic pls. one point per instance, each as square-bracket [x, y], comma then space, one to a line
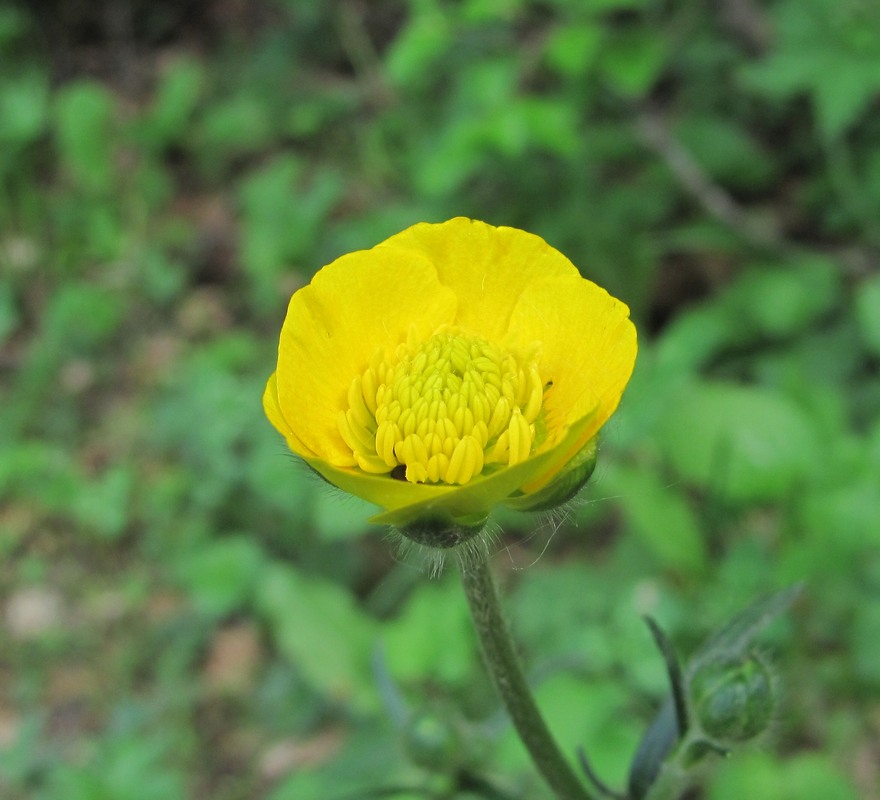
[273, 412]
[588, 350]
[361, 302]
[502, 284]
[487, 267]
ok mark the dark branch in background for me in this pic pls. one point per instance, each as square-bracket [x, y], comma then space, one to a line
[714, 200]
[747, 21]
[361, 51]
[654, 133]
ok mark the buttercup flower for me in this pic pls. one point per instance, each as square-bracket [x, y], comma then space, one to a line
[448, 369]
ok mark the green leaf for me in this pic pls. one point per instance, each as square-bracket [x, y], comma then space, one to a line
[693, 338]
[283, 212]
[774, 301]
[737, 636]
[80, 317]
[221, 575]
[432, 636]
[13, 23]
[134, 767]
[633, 60]
[747, 444]
[174, 103]
[588, 714]
[233, 127]
[808, 776]
[866, 644]
[572, 48]
[338, 516]
[84, 113]
[841, 95]
[317, 625]
[725, 149]
[659, 516]
[103, 506]
[608, 6]
[24, 106]
[282, 482]
[868, 312]
[365, 765]
[780, 75]
[422, 41]
[551, 124]
[839, 526]
[9, 314]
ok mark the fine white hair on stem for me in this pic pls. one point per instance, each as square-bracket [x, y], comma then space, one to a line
[552, 521]
[432, 560]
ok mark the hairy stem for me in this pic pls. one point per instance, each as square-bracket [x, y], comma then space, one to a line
[506, 670]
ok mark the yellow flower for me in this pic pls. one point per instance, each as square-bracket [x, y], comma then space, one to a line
[448, 369]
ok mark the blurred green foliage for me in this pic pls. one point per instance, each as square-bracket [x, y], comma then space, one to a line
[189, 613]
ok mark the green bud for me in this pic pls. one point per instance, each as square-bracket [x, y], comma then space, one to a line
[433, 742]
[732, 699]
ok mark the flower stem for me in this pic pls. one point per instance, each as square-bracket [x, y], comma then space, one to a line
[506, 670]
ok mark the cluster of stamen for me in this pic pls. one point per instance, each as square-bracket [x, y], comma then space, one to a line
[442, 410]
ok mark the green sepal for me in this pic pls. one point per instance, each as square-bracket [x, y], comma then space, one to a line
[443, 531]
[564, 486]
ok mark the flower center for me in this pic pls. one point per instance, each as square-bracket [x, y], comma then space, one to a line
[443, 410]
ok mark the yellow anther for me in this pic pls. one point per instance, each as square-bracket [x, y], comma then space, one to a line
[447, 409]
[369, 391]
[386, 436]
[480, 407]
[508, 389]
[371, 464]
[481, 433]
[437, 466]
[416, 472]
[457, 466]
[520, 438]
[501, 448]
[415, 450]
[352, 432]
[346, 434]
[535, 394]
[500, 417]
[358, 408]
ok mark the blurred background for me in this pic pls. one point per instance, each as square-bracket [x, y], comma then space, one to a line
[186, 613]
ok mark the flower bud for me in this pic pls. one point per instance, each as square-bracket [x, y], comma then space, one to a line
[732, 699]
[432, 741]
